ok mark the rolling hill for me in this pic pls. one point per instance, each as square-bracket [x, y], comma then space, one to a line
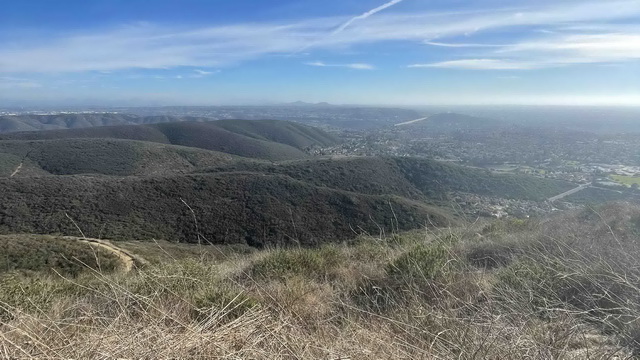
[13, 123]
[102, 156]
[270, 140]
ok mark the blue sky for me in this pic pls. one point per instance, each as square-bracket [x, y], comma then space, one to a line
[387, 52]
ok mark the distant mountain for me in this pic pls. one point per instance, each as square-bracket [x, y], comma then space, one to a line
[270, 140]
[302, 103]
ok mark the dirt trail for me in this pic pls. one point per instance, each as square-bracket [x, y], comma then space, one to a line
[128, 260]
[16, 171]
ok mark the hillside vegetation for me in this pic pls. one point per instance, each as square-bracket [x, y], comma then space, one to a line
[558, 288]
[227, 208]
[256, 203]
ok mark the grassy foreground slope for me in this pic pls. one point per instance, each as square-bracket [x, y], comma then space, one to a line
[271, 140]
[560, 288]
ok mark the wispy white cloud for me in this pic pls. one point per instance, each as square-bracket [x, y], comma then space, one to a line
[462, 45]
[7, 83]
[479, 64]
[356, 66]
[591, 48]
[202, 73]
[154, 47]
[553, 51]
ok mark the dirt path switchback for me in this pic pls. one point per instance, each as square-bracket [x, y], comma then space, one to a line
[128, 260]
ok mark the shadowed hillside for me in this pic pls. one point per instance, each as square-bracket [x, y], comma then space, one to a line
[283, 132]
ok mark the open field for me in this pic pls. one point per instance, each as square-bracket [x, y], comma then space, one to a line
[626, 180]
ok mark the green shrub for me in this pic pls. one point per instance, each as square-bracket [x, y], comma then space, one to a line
[424, 261]
[319, 263]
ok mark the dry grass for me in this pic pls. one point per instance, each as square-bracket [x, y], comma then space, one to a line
[541, 292]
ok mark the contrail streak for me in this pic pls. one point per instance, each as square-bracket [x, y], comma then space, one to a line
[348, 23]
[365, 15]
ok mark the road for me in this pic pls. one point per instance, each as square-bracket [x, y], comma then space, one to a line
[16, 171]
[567, 193]
[412, 121]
